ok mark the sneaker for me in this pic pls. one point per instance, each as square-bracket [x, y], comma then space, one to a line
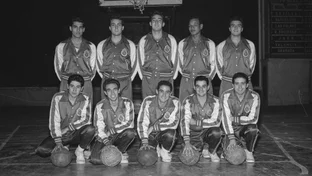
[158, 150]
[80, 159]
[124, 158]
[205, 153]
[249, 157]
[165, 155]
[214, 157]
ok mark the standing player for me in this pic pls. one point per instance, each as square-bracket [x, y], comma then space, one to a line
[157, 56]
[241, 108]
[116, 58]
[158, 120]
[114, 122]
[70, 120]
[201, 119]
[235, 54]
[197, 57]
[76, 55]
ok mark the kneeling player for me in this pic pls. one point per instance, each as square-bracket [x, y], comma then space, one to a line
[241, 108]
[158, 120]
[201, 119]
[70, 120]
[114, 122]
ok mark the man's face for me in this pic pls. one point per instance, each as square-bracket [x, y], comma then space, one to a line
[195, 27]
[240, 86]
[236, 28]
[77, 29]
[201, 88]
[116, 27]
[112, 91]
[163, 93]
[157, 23]
[74, 89]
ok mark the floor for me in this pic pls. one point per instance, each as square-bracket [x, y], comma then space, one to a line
[284, 148]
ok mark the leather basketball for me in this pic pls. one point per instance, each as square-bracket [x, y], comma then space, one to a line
[110, 155]
[235, 155]
[147, 157]
[189, 160]
[61, 157]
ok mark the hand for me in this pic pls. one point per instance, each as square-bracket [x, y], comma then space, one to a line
[188, 149]
[146, 147]
[65, 130]
[232, 143]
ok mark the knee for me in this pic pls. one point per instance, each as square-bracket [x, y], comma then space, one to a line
[170, 134]
[252, 129]
[43, 152]
[90, 129]
[216, 132]
[130, 133]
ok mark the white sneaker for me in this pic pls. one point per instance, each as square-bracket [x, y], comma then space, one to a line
[205, 153]
[165, 155]
[124, 158]
[249, 157]
[158, 150]
[214, 157]
[79, 157]
[87, 154]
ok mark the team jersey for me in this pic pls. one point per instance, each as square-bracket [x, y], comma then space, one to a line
[206, 116]
[107, 121]
[197, 59]
[236, 112]
[65, 114]
[160, 119]
[68, 60]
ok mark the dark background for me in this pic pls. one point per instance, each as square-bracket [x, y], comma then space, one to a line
[32, 29]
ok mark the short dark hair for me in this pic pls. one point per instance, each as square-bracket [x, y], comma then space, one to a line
[201, 78]
[240, 75]
[164, 83]
[77, 19]
[110, 81]
[196, 18]
[76, 77]
[157, 13]
[236, 18]
[115, 17]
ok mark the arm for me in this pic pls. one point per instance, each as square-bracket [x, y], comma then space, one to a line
[219, 59]
[173, 119]
[174, 56]
[143, 121]
[55, 120]
[215, 119]
[129, 117]
[227, 117]
[58, 60]
[93, 60]
[133, 58]
[181, 55]
[141, 56]
[99, 124]
[253, 116]
[85, 115]
[252, 58]
[186, 116]
[99, 54]
[212, 59]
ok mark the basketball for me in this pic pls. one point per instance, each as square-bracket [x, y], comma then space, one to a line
[110, 155]
[61, 157]
[189, 160]
[235, 155]
[147, 157]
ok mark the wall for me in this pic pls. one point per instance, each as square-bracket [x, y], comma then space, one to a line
[288, 81]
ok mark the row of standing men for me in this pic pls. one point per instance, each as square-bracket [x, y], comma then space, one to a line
[157, 57]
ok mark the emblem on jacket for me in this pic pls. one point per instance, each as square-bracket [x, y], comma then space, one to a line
[167, 115]
[167, 48]
[79, 112]
[124, 52]
[121, 118]
[205, 52]
[247, 108]
[245, 53]
[86, 54]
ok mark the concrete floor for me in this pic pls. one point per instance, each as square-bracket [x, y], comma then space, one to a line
[284, 148]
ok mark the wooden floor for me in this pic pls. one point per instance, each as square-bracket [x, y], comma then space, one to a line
[284, 148]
